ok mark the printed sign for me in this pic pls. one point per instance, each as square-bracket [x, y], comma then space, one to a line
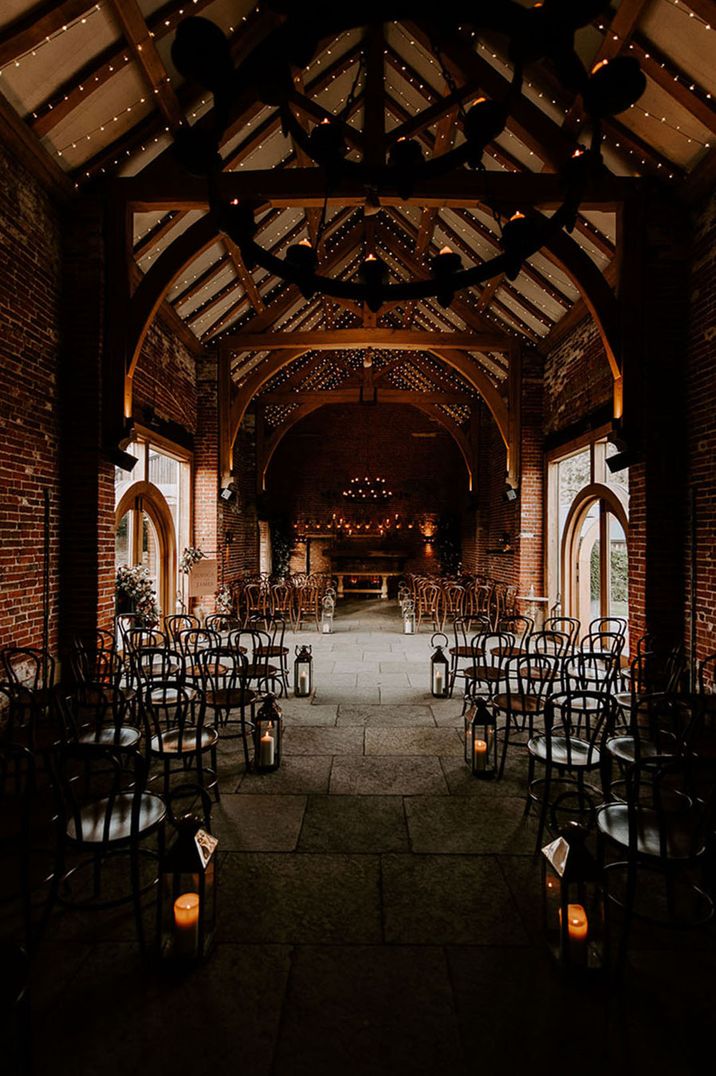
[203, 578]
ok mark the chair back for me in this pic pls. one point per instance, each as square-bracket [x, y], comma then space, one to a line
[616, 625]
[91, 710]
[530, 676]
[156, 663]
[88, 781]
[593, 671]
[223, 623]
[577, 717]
[519, 626]
[178, 623]
[550, 643]
[167, 706]
[568, 625]
[599, 642]
[29, 668]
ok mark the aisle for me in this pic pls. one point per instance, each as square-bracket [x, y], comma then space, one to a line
[379, 912]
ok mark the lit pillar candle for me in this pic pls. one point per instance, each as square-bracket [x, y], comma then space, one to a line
[186, 924]
[408, 627]
[326, 628]
[577, 932]
[480, 750]
[439, 682]
[267, 749]
[303, 683]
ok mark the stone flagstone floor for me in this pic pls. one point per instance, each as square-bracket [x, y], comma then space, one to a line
[379, 914]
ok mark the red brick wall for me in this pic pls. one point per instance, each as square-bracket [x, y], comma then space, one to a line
[701, 402]
[165, 379]
[30, 297]
[239, 515]
[577, 378]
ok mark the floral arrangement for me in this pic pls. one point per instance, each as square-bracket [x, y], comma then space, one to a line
[189, 558]
[135, 586]
[224, 604]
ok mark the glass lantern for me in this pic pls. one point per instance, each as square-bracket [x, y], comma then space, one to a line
[573, 897]
[187, 891]
[268, 730]
[439, 668]
[303, 672]
[328, 609]
[408, 617]
[481, 740]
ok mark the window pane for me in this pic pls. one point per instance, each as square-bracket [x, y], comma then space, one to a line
[121, 542]
[151, 551]
[618, 569]
[164, 473]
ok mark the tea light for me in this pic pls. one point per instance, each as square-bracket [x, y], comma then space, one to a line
[186, 924]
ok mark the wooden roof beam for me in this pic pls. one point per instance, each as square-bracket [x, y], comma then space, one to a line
[342, 339]
[40, 22]
[141, 42]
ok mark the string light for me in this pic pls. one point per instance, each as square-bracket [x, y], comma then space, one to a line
[79, 21]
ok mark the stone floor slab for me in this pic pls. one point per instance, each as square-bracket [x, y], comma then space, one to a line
[448, 900]
[384, 716]
[297, 775]
[323, 741]
[301, 898]
[251, 823]
[354, 824]
[386, 776]
[420, 741]
[465, 824]
[369, 1011]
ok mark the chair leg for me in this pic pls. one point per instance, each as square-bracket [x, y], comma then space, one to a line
[137, 892]
[544, 806]
[504, 746]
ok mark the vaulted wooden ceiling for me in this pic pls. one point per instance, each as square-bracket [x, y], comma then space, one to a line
[95, 86]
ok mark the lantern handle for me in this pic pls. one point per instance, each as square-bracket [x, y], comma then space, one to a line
[304, 647]
[182, 791]
[440, 635]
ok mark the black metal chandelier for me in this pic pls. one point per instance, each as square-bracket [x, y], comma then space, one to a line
[546, 31]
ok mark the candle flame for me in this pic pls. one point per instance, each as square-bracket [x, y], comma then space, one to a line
[370, 257]
[305, 243]
[446, 250]
[517, 216]
[479, 101]
[597, 67]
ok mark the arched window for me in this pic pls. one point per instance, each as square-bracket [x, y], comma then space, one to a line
[152, 516]
[594, 555]
[588, 531]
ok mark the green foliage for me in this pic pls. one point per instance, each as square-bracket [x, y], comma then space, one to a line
[448, 544]
[619, 574]
[282, 542]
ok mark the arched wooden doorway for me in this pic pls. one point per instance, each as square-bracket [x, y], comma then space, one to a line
[594, 554]
[144, 534]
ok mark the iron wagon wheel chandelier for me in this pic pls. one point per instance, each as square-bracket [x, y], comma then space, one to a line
[546, 31]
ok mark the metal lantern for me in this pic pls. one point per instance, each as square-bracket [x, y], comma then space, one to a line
[329, 606]
[408, 617]
[188, 886]
[439, 668]
[573, 897]
[303, 672]
[268, 730]
[481, 740]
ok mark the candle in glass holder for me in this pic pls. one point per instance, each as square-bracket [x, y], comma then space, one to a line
[480, 750]
[438, 683]
[303, 683]
[266, 750]
[577, 932]
[186, 924]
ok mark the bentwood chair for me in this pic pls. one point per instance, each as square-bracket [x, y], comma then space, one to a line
[100, 715]
[104, 810]
[567, 625]
[226, 693]
[178, 623]
[569, 752]
[486, 671]
[262, 672]
[177, 735]
[461, 649]
[661, 834]
[273, 649]
[526, 687]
